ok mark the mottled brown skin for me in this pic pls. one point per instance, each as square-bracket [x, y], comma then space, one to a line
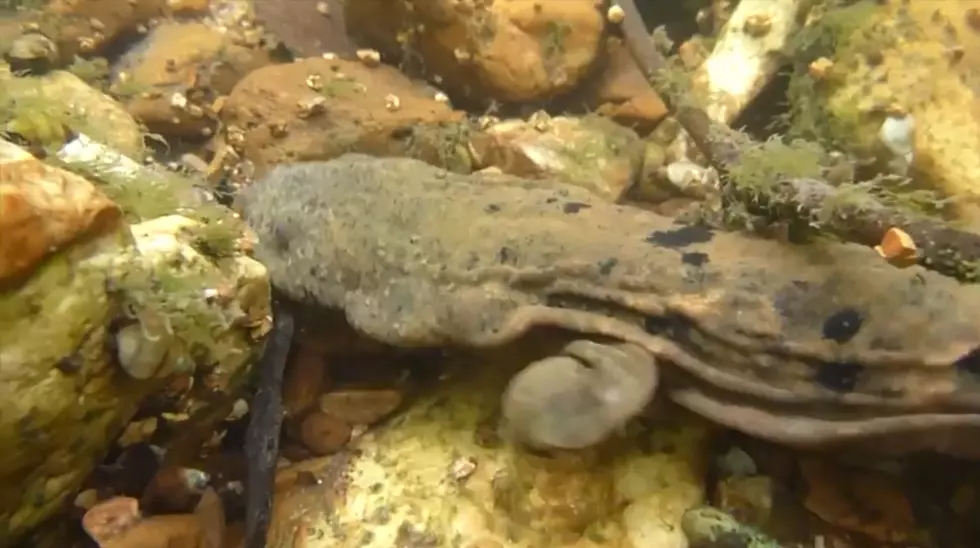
[811, 346]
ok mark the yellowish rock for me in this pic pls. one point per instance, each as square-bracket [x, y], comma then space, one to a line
[592, 152]
[903, 71]
[507, 50]
[72, 391]
[436, 475]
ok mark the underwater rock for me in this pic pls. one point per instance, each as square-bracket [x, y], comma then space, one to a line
[43, 209]
[897, 82]
[87, 28]
[592, 152]
[42, 110]
[170, 79]
[57, 345]
[511, 50]
[622, 93]
[437, 474]
[33, 53]
[318, 109]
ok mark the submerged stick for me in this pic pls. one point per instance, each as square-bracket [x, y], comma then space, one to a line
[942, 248]
[262, 436]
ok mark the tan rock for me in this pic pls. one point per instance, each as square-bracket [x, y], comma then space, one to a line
[305, 378]
[116, 523]
[85, 28]
[304, 28]
[111, 518]
[170, 83]
[189, 7]
[265, 119]
[360, 407]
[507, 50]
[323, 434]
[43, 209]
[622, 93]
[592, 152]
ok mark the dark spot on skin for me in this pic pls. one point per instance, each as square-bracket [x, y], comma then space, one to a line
[280, 239]
[492, 208]
[506, 255]
[970, 363]
[838, 376]
[551, 200]
[681, 237]
[695, 258]
[401, 133]
[574, 207]
[606, 266]
[843, 325]
[664, 326]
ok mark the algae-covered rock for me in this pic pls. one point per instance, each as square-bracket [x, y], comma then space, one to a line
[592, 152]
[437, 475]
[895, 82]
[41, 109]
[97, 327]
[707, 527]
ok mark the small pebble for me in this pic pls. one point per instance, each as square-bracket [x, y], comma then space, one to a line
[615, 15]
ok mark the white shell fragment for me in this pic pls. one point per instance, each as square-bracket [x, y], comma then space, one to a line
[898, 134]
[685, 174]
[140, 354]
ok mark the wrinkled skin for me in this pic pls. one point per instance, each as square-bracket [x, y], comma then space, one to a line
[811, 346]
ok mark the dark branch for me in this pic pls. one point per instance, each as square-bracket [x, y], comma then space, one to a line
[262, 436]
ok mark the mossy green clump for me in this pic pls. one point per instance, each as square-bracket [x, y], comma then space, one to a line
[763, 166]
[145, 192]
[597, 142]
[43, 112]
[39, 121]
[173, 298]
[217, 232]
[94, 71]
[710, 527]
[440, 144]
[175, 294]
[847, 36]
